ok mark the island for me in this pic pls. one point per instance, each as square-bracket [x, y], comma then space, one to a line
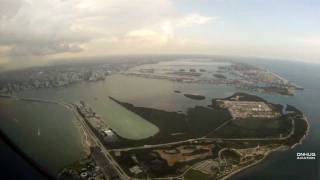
[205, 142]
[219, 76]
[239, 75]
[195, 96]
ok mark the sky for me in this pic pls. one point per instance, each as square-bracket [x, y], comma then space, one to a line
[38, 31]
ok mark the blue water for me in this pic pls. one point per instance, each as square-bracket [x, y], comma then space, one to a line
[160, 94]
[284, 165]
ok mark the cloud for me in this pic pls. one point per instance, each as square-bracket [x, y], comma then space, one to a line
[196, 19]
[49, 27]
[164, 32]
[9, 7]
[313, 41]
[39, 49]
[39, 28]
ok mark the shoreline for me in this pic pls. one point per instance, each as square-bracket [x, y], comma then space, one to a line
[306, 134]
[85, 142]
[278, 149]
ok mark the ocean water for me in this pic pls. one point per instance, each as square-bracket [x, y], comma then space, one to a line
[160, 94]
[284, 165]
[45, 132]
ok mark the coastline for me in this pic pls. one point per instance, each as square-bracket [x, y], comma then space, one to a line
[84, 135]
[307, 132]
[85, 142]
[84, 138]
[278, 149]
[65, 107]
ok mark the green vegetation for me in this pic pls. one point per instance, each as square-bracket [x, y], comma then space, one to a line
[204, 121]
[197, 122]
[79, 164]
[220, 76]
[196, 175]
[230, 156]
[244, 97]
[154, 165]
[195, 97]
[255, 128]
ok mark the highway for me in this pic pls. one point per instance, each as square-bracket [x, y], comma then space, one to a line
[93, 137]
[105, 152]
[209, 139]
[109, 157]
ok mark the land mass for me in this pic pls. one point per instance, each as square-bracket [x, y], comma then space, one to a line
[195, 96]
[214, 142]
[239, 75]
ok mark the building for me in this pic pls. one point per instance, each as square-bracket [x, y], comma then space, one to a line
[135, 170]
[108, 132]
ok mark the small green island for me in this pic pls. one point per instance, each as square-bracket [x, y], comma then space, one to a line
[205, 142]
[195, 96]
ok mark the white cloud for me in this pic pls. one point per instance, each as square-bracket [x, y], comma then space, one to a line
[313, 41]
[49, 27]
[196, 19]
[164, 32]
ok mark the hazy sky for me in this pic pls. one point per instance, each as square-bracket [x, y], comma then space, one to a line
[38, 30]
